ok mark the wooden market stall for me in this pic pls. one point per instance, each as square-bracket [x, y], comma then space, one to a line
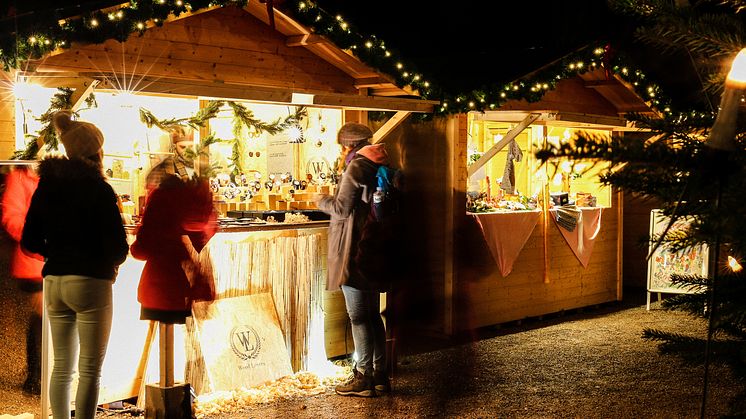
[272, 66]
[514, 264]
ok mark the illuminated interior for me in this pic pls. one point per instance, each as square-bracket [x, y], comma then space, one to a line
[574, 177]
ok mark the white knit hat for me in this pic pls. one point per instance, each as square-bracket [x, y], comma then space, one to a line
[81, 139]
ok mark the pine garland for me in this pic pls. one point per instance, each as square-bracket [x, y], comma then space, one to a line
[242, 117]
[62, 100]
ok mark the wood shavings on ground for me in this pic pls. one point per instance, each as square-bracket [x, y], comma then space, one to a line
[300, 384]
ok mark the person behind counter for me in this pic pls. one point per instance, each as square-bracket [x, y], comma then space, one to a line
[73, 221]
[20, 185]
[349, 210]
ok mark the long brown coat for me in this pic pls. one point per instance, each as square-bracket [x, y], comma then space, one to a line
[349, 208]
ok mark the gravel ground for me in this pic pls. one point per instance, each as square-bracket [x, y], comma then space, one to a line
[588, 364]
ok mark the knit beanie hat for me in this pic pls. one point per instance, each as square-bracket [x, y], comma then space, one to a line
[81, 139]
[352, 134]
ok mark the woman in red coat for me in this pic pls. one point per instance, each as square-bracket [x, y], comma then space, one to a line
[20, 185]
[177, 215]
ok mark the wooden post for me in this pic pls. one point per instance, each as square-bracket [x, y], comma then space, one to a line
[166, 353]
[167, 401]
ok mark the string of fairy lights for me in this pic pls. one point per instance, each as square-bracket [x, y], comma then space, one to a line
[47, 35]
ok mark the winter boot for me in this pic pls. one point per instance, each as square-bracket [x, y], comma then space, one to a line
[381, 382]
[361, 385]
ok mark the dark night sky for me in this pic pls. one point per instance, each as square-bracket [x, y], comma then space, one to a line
[466, 44]
[470, 42]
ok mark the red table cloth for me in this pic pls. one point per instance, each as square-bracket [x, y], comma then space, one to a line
[506, 233]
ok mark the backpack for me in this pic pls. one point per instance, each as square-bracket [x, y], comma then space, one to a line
[385, 200]
[377, 256]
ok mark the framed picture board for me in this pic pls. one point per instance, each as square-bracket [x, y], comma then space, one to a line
[664, 262]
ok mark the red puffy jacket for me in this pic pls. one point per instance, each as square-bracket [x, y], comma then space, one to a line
[173, 210]
[20, 185]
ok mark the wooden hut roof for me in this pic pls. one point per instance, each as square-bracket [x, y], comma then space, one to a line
[230, 52]
[591, 99]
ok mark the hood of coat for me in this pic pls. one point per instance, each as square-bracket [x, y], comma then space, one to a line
[63, 169]
[375, 153]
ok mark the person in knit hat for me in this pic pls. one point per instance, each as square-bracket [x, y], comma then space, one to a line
[352, 137]
[82, 140]
[349, 209]
[73, 221]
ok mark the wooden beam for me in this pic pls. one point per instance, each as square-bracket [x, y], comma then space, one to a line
[82, 92]
[389, 126]
[597, 83]
[303, 40]
[510, 136]
[367, 82]
[188, 88]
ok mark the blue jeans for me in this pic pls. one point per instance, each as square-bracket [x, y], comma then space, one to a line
[79, 308]
[368, 332]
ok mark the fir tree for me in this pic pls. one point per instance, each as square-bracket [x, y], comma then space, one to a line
[677, 167]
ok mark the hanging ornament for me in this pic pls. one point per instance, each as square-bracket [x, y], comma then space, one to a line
[319, 143]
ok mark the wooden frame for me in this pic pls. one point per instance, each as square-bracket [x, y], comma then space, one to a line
[662, 263]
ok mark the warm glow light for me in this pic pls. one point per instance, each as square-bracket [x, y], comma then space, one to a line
[295, 134]
[388, 54]
[94, 22]
[734, 265]
[399, 66]
[140, 25]
[738, 68]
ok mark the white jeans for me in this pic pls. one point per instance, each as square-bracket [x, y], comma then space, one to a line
[79, 310]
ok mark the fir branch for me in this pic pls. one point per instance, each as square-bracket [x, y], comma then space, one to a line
[236, 157]
[205, 114]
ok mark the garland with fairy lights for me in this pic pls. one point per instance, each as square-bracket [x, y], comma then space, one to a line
[242, 117]
[62, 100]
[49, 33]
